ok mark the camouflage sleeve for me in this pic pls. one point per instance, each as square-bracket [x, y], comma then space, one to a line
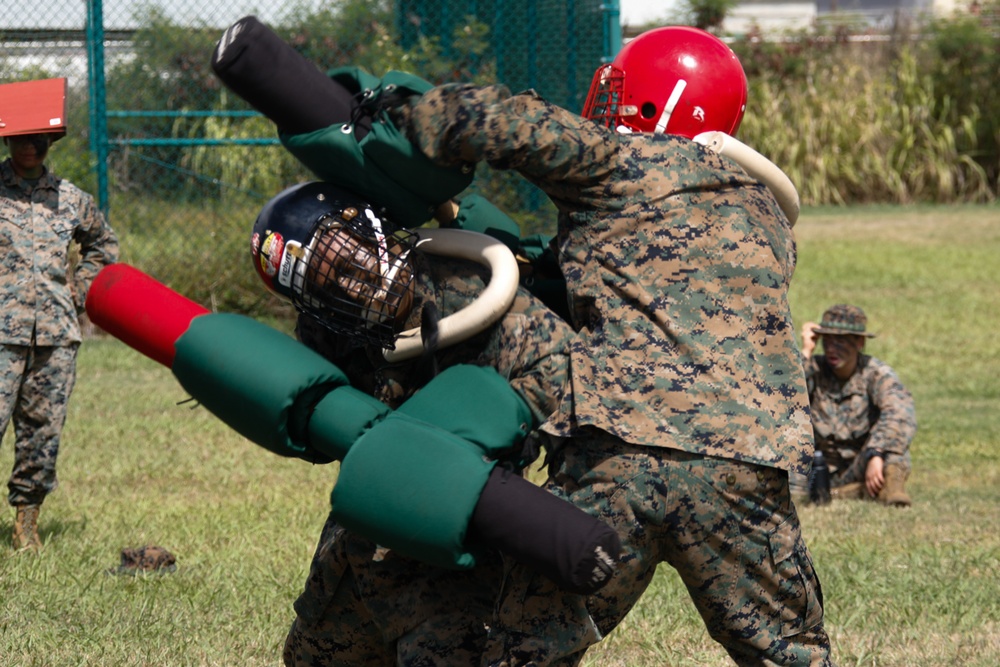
[98, 248]
[539, 346]
[897, 421]
[458, 123]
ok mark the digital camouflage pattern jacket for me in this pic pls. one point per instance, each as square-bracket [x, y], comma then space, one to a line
[39, 296]
[871, 412]
[677, 266]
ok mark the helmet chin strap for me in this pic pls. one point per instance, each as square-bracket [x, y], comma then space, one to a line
[488, 306]
[757, 166]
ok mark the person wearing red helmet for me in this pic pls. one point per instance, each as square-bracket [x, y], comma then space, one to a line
[689, 407]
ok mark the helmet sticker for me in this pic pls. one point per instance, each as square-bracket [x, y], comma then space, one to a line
[270, 254]
[293, 252]
[383, 250]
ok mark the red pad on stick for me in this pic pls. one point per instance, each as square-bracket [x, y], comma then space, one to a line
[140, 311]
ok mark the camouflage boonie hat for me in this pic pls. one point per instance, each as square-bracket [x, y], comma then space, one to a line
[844, 320]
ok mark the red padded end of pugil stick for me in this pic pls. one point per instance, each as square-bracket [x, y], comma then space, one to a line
[141, 312]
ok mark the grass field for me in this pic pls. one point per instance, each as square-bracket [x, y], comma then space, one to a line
[918, 587]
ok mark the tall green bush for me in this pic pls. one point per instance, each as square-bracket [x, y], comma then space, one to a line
[856, 121]
[963, 58]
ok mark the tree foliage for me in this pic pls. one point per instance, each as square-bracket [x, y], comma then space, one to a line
[171, 72]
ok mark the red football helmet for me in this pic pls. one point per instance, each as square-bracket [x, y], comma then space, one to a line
[672, 80]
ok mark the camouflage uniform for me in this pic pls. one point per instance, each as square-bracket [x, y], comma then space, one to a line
[870, 414]
[688, 404]
[40, 300]
[365, 605]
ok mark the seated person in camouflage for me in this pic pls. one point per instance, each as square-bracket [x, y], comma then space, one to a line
[363, 604]
[863, 417]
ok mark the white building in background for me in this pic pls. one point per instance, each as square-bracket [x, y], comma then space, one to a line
[776, 16]
[769, 17]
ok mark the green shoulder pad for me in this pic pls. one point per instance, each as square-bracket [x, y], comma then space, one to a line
[412, 487]
[475, 403]
[384, 167]
[356, 79]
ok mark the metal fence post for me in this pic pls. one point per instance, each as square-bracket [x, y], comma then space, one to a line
[98, 104]
[612, 30]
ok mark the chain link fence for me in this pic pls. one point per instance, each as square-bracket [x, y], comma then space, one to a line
[182, 166]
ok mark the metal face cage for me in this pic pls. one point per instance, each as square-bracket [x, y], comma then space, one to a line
[355, 276]
[605, 97]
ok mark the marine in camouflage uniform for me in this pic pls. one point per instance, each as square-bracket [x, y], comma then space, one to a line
[688, 405]
[365, 605]
[863, 417]
[41, 217]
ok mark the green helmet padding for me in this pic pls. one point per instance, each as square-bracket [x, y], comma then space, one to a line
[476, 404]
[411, 486]
[384, 166]
[257, 380]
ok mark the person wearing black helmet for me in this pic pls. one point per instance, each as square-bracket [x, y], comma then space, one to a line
[335, 259]
[360, 284]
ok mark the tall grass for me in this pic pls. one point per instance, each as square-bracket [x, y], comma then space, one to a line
[862, 127]
[917, 587]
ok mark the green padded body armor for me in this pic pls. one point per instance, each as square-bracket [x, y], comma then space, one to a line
[384, 166]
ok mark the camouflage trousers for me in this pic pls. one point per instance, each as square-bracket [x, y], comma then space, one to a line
[366, 606]
[35, 386]
[855, 471]
[730, 530]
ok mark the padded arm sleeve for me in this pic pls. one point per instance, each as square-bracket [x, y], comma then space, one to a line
[418, 482]
[476, 404]
[265, 385]
[268, 387]
[413, 487]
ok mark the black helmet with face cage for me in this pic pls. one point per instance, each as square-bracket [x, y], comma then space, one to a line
[336, 259]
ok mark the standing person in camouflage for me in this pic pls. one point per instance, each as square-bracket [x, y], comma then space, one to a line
[688, 406]
[863, 417]
[41, 217]
[363, 604]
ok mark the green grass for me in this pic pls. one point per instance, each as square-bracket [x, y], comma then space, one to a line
[911, 588]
